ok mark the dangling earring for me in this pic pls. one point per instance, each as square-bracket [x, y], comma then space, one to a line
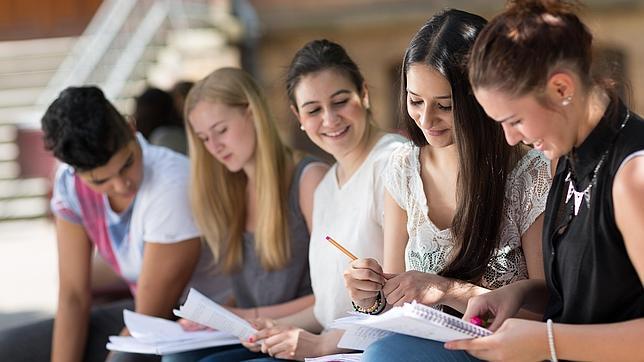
[301, 128]
[566, 101]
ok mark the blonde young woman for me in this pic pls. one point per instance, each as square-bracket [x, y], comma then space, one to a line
[330, 99]
[252, 196]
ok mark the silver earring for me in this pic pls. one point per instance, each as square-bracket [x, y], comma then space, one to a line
[566, 101]
[301, 127]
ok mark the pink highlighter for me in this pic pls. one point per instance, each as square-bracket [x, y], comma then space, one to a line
[478, 321]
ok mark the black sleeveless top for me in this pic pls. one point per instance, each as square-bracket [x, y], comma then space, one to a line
[589, 275]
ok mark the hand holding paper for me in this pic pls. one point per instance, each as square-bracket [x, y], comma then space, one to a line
[198, 308]
[151, 335]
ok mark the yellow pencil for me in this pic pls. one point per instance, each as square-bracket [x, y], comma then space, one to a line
[342, 249]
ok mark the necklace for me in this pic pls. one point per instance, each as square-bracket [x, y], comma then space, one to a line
[580, 196]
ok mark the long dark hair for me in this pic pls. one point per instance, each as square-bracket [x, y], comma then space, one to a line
[485, 160]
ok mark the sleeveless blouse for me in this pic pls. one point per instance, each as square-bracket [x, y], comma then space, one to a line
[589, 274]
[428, 248]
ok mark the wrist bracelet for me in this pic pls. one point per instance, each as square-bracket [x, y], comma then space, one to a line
[377, 307]
[551, 341]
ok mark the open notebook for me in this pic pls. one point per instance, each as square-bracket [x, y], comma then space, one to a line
[412, 319]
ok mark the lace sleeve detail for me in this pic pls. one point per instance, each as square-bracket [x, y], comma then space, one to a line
[396, 172]
[530, 182]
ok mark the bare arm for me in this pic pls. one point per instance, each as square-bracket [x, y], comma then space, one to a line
[74, 297]
[532, 249]
[600, 342]
[304, 319]
[166, 270]
[309, 182]
[628, 199]
[459, 292]
[395, 236]
[276, 310]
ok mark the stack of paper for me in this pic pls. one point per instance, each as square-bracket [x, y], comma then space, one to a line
[151, 335]
[199, 308]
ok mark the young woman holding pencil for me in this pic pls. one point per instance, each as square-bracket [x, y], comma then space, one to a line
[330, 99]
[463, 209]
[252, 198]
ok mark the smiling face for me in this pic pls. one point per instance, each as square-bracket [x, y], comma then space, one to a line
[525, 119]
[331, 111]
[226, 131]
[429, 104]
[121, 177]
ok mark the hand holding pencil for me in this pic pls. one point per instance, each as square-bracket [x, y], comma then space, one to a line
[363, 278]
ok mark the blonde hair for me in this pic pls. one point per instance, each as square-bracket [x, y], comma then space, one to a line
[218, 196]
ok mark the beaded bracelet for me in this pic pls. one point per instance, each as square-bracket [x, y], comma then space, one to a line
[551, 341]
[377, 307]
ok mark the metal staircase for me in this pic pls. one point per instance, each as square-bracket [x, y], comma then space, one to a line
[115, 52]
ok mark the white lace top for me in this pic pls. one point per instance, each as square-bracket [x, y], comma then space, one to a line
[428, 248]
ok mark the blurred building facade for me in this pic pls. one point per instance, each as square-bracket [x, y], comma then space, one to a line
[376, 33]
[47, 44]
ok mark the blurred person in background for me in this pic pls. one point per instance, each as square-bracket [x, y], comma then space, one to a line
[159, 121]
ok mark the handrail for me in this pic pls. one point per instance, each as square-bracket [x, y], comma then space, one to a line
[90, 48]
[131, 24]
[135, 49]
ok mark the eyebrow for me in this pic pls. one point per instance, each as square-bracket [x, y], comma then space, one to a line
[341, 91]
[127, 162]
[211, 127]
[437, 97]
[507, 118]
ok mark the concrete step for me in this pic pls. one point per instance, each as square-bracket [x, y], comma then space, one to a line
[20, 188]
[49, 62]
[10, 116]
[8, 152]
[21, 97]
[36, 47]
[8, 133]
[9, 170]
[29, 79]
[24, 208]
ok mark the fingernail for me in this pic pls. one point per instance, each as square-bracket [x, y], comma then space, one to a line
[448, 345]
[251, 339]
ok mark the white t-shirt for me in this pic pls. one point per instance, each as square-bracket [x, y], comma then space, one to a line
[353, 216]
[160, 213]
[428, 247]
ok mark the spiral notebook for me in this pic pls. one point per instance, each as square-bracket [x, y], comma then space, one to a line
[412, 319]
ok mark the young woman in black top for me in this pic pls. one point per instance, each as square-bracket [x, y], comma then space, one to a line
[531, 72]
